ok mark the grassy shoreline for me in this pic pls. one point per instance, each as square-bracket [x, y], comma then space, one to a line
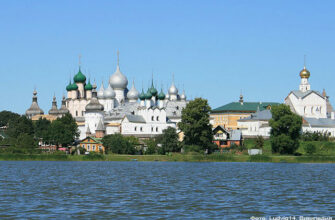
[171, 158]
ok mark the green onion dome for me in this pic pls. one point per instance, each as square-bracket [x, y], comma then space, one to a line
[153, 91]
[69, 87]
[79, 77]
[88, 86]
[148, 95]
[74, 86]
[161, 95]
[142, 95]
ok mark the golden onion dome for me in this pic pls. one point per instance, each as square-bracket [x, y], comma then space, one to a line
[305, 73]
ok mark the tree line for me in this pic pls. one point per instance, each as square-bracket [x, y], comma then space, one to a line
[22, 134]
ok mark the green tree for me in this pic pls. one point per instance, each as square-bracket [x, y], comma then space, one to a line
[285, 130]
[169, 140]
[25, 141]
[64, 130]
[195, 124]
[118, 144]
[6, 116]
[259, 142]
[20, 125]
[42, 129]
[151, 147]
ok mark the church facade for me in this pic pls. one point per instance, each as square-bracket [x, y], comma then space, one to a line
[314, 108]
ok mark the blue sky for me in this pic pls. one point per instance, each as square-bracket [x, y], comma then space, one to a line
[214, 48]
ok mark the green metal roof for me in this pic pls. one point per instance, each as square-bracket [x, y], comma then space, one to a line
[96, 140]
[244, 107]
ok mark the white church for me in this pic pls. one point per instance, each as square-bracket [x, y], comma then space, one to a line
[314, 107]
[118, 109]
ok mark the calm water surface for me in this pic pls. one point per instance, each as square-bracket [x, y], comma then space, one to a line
[151, 190]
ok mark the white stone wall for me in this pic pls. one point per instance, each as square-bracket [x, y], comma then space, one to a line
[92, 120]
[77, 107]
[311, 106]
[254, 128]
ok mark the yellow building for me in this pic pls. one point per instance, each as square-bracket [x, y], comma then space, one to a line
[227, 115]
[92, 144]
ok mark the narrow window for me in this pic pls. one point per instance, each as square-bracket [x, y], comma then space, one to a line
[157, 118]
[152, 118]
[76, 113]
[156, 129]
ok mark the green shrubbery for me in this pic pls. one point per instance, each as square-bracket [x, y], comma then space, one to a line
[315, 136]
[310, 148]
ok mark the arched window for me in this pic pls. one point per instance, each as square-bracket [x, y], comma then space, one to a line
[157, 118]
[88, 147]
[152, 118]
[152, 129]
[156, 129]
[141, 129]
[76, 113]
[135, 128]
[93, 148]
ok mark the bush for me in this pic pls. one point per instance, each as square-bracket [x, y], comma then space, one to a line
[310, 148]
[151, 147]
[259, 143]
[192, 148]
[241, 148]
[94, 156]
[315, 136]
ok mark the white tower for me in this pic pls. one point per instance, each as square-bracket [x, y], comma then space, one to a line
[304, 84]
[94, 112]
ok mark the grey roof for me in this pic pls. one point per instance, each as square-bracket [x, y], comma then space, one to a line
[264, 115]
[63, 109]
[100, 126]
[34, 108]
[120, 111]
[235, 135]
[54, 109]
[135, 118]
[320, 122]
[94, 104]
[300, 94]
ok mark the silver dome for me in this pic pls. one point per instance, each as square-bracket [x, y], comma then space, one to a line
[101, 91]
[167, 96]
[118, 80]
[133, 93]
[183, 96]
[109, 92]
[173, 89]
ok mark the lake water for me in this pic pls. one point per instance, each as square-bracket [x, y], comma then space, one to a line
[151, 190]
